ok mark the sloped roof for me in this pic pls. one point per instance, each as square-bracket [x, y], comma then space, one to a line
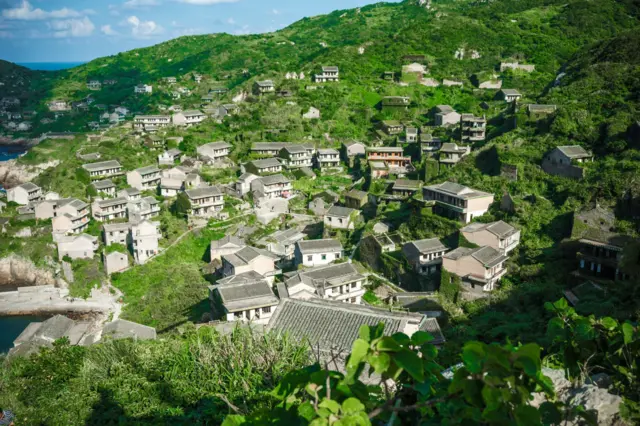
[335, 324]
[487, 256]
[458, 190]
[123, 329]
[102, 165]
[500, 229]
[208, 191]
[340, 211]
[319, 246]
[29, 186]
[103, 184]
[407, 184]
[273, 179]
[574, 151]
[112, 202]
[227, 241]
[429, 245]
[511, 92]
[243, 296]
[147, 170]
[266, 162]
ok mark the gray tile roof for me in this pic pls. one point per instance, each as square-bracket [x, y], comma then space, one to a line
[291, 235]
[246, 255]
[123, 329]
[147, 170]
[407, 184]
[113, 227]
[385, 149]
[487, 256]
[458, 190]
[103, 184]
[511, 92]
[323, 277]
[295, 149]
[245, 277]
[273, 179]
[131, 191]
[271, 146]
[319, 246]
[102, 165]
[227, 241]
[356, 194]
[444, 109]
[330, 69]
[429, 245]
[339, 211]
[209, 191]
[112, 202]
[266, 162]
[574, 151]
[243, 296]
[29, 186]
[328, 151]
[452, 147]
[499, 228]
[335, 325]
[217, 145]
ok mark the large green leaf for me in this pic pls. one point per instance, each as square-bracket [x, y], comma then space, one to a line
[330, 405]
[411, 362]
[526, 415]
[628, 332]
[359, 350]
[365, 333]
[380, 362]
[352, 406]
[473, 355]
[234, 420]
[421, 337]
[388, 344]
[528, 357]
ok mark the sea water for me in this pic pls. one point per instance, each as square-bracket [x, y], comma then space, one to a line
[11, 327]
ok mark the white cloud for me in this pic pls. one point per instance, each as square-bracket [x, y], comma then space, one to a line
[206, 2]
[143, 29]
[107, 30]
[26, 12]
[137, 4]
[275, 12]
[72, 27]
[231, 21]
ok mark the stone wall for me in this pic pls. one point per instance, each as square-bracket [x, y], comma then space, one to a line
[17, 272]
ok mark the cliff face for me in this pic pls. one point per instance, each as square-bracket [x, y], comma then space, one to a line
[13, 174]
[19, 272]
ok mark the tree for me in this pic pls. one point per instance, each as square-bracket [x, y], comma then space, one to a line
[188, 145]
[181, 206]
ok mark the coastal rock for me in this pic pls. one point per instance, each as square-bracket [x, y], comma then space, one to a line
[13, 174]
[590, 396]
[20, 272]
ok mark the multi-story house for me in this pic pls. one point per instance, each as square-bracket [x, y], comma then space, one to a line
[509, 95]
[392, 127]
[205, 202]
[143, 88]
[341, 283]
[406, 187]
[143, 209]
[145, 178]
[450, 154]
[94, 85]
[425, 255]
[499, 235]
[225, 246]
[169, 158]
[395, 102]
[170, 80]
[601, 249]
[263, 166]
[273, 186]
[329, 74]
[144, 240]
[59, 105]
[130, 194]
[295, 156]
[25, 194]
[446, 116]
[272, 149]
[243, 185]
[472, 128]
[457, 201]
[170, 187]
[480, 268]
[356, 199]
[387, 160]
[214, 151]
[105, 187]
[327, 158]
[116, 233]
[103, 169]
[188, 118]
[151, 122]
[282, 243]
[81, 246]
[567, 161]
[71, 216]
[341, 218]
[250, 260]
[352, 149]
[262, 87]
[110, 209]
[245, 299]
[411, 135]
[318, 252]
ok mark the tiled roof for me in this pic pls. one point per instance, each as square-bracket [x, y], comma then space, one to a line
[147, 170]
[216, 145]
[102, 165]
[458, 190]
[209, 191]
[429, 245]
[444, 109]
[112, 202]
[29, 186]
[113, 227]
[274, 179]
[266, 162]
[511, 92]
[574, 151]
[359, 195]
[499, 228]
[123, 329]
[103, 184]
[243, 296]
[407, 184]
[228, 240]
[319, 246]
[486, 255]
[335, 324]
[340, 211]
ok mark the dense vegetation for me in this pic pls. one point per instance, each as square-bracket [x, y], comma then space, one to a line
[587, 63]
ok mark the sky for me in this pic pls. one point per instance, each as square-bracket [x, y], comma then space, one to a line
[81, 30]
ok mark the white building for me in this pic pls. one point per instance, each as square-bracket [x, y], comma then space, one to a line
[81, 246]
[188, 118]
[205, 202]
[318, 252]
[214, 151]
[243, 298]
[103, 169]
[273, 186]
[144, 238]
[340, 282]
[341, 218]
[143, 88]
[313, 113]
[169, 158]
[147, 122]
[329, 74]
[25, 194]
[110, 209]
[145, 178]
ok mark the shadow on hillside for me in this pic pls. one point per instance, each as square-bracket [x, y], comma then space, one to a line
[488, 161]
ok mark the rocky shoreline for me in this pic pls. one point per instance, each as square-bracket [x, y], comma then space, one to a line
[13, 174]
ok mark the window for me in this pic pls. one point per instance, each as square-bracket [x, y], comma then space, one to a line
[324, 257]
[353, 285]
[266, 310]
[309, 258]
[337, 256]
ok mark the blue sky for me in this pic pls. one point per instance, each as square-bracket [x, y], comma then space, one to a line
[81, 30]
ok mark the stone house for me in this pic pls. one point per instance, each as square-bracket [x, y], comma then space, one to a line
[327, 158]
[205, 202]
[429, 145]
[103, 169]
[250, 259]
[81, 246]
[263, 166]
[151, 122]
[188, 118]
[566, 161]
[262, 87]
[480, 268]
[115, 262]
[318, 252]
[536, 110]
[356, 199]
[391, 127]
[143, 209]
[295, 156]
[405, 187]
[130, 194]
[446, 116]
[143, 88]
[225, 246]
[395, 102]
[170, 80]
[69, 216]
[282, 243]
[171, 187]
[110, 209]
[329, 74]
[509, 95]
[272, 186]
[214, 151]
[387, 160]
[116, 233]
[27, 193]
[340, 282]
[169, 158]
[243, 185]
[472, 128]
[457, 201]
[499, 235]
[313, 113]
[516, 66]
[144, 240]
[243, 300]
[341, 218]
[425, 255]
[145, 178]
[351, 150]
[411, 135]
[450, 154]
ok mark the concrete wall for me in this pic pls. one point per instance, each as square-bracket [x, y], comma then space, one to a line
[568, 171]
[18, 195]
[115, 262]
